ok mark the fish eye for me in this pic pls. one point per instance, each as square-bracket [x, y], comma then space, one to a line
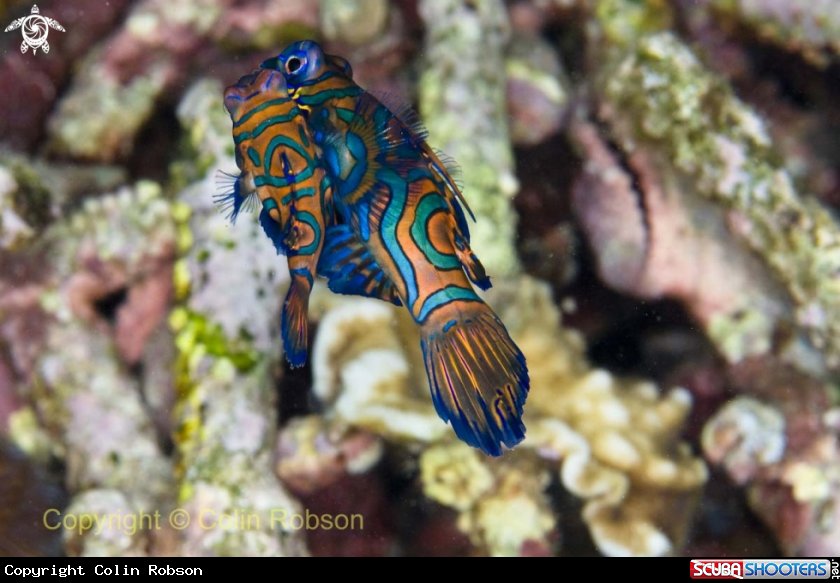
[294, 65]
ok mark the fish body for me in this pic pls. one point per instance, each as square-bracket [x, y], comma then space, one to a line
[400, 201]
[279, 165]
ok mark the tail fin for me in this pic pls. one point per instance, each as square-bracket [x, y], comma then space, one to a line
[478, 377]
[294, 323]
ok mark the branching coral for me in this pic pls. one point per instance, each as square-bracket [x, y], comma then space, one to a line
[90, 405]
[660, 96]
[228, 283]
[462, 93]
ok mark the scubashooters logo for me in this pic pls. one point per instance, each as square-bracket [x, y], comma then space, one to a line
[761, 569]
[35, 29]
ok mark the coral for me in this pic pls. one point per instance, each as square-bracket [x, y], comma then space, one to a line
[87, 401]
[228, 285]
[502, 505]
[309, 459]
[14, 230]
[362, 372]
[120, 112]
[355, 22]
[462, 101]
[115, 263]
[661, 97]
[34, 193]
[623, 22]
[785, 452]
[744, 436]
[31, 86]
[618, 440]
[121, 82]
[809, 27]
[537, 94]
[615, 442]
[654, 237]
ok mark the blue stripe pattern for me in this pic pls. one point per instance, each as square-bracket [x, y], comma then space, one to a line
[388, 231]
[443, 297]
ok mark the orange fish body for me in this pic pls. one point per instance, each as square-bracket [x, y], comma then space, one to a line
[401, 203]
[280, 165]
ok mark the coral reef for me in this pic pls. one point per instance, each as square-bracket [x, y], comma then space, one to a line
[615, 442]
[784, 451]
[124, 78]
[462, 93]
[228, 284]
[33, 194]
[660, 95]
[809, 27]
[84, 397]
[654, 238]
[32, 85]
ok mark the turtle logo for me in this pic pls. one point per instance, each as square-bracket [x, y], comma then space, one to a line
[35, 30]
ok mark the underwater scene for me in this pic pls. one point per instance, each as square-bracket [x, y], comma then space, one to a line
[420, 278]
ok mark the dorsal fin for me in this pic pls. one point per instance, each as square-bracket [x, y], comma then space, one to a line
[452, 168]
[448, 170]
[403, 110]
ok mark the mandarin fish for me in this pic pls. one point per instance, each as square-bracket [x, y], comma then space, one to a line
[279, 167]
[400, 200]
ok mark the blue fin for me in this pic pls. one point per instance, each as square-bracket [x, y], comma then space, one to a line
[231, 197]
[294, 321]
[477, 376]
[351, 269]
[273, 231]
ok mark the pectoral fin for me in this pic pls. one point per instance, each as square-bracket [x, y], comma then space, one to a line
[351, 269]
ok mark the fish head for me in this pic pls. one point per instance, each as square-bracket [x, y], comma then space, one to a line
[300, 62]
[260, 108]
[305, 61]
[252, 90]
